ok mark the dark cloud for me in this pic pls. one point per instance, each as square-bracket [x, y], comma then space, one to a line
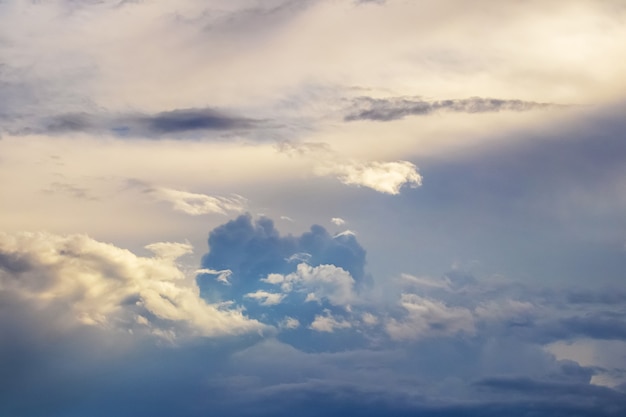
[572, 393]
[14, 263]
[608, 326]
[384, 110]
[158, 124]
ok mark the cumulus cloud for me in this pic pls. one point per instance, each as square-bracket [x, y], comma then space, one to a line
[255, 250]
[266, 298]
[112, 287]
[384, 177]
[289, 323]
[387, 109]
[327, 282]
[328, 323]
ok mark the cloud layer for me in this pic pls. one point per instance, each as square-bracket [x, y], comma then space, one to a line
[477, 153]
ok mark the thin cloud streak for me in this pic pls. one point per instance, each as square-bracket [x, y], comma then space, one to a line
[396, 108]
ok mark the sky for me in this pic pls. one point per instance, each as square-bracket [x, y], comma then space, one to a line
[312, 207]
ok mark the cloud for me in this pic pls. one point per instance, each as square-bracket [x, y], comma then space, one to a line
[104, 285]
[266, 298]
[337, 221]
[327, 323]
[168, 123]
[428, 318]
[327, 282]
[388, 109]
[384, 177]
[254, 250]
[170, 250]
[289, 323]
[194, 204]
[274, 276]
[222, 275]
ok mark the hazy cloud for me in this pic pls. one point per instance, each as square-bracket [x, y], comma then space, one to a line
[426, 318]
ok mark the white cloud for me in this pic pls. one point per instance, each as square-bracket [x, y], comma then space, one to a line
[345, 233]
[108, 286]
[428, 318]
[384, 177]
[197, 204]
[337, 221]
[223, 275]
[289, 323]
[170, 250]
[266, 298]
[327, 323]
[369, 319]
[320, 282]
[299, 257]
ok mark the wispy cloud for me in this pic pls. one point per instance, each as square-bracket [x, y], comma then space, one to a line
[384, 177]
[194, 204]
[388, 109]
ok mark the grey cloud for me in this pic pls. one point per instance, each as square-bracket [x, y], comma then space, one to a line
[173, 122]
[575, 393]
[607, 326]
[265, 17]
[14, 263]
[387, 109]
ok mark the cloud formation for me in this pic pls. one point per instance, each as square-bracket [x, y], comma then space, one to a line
[167, 123]
[254, 250]
[525, 198]
[388, 109]
[106, 286]
[197, 204]
[384, 177]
